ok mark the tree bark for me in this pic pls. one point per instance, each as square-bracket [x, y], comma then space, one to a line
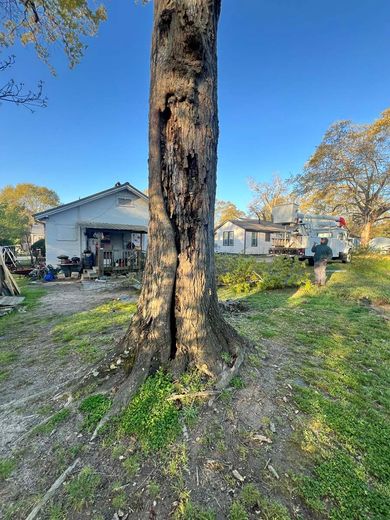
[178, 323]
[365, 233]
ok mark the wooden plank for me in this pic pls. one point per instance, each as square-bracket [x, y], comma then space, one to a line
[7, 278]
[11, 301]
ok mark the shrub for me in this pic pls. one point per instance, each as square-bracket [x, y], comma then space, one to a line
[248, 274]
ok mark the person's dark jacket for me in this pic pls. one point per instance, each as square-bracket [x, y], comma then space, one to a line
[322, 252]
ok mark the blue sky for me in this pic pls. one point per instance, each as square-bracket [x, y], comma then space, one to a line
[287, 70]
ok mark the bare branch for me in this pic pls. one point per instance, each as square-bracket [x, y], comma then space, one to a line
[13, 92]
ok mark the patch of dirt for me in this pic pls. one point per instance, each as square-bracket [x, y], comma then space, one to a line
[243, 435]
[39, 372]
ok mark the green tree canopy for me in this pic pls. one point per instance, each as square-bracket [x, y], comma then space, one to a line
[350, 170]
[14, 224]
[18, 204]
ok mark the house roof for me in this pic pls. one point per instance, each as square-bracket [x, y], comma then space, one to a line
[250, 224]
[90, 198]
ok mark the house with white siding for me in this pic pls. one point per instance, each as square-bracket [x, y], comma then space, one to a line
[245, 236]
[112, 225]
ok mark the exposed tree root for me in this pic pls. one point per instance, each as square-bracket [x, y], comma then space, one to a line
[138, 375]
[126, 390]
[50, 493]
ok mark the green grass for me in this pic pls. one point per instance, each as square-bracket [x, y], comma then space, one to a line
[119, 500]
[251, 500]
[238, 511]
[150, 416]
[7, 357]
[193, 511]
[32, 295]
[81, 489]
[155, 420]
[132, 465]
[14, 322]
[85, 334]
[6, 468]
[58, 418]
[94, 408]
[340, 348]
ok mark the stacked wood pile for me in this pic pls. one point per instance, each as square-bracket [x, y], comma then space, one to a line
[9, 290]
[8, 286]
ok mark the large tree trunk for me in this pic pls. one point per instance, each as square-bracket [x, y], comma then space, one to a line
[365, 232]
[178, 323]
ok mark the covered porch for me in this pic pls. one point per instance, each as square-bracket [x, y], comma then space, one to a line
[114, 248]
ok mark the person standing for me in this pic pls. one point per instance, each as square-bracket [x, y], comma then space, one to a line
[322, 254]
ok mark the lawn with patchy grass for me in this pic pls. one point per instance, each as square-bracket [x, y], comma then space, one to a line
[342, 351]
[8, 350]
[85, 333]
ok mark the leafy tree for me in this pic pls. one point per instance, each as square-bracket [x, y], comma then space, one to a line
[267, 195]
[350, 170]
[30, 197]
[14, 224]
[46, 22]
[226, 210]
[19, 203]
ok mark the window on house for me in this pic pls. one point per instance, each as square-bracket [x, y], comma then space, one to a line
[254, 239]
[228, 238]
[125, 201]
[267, 237]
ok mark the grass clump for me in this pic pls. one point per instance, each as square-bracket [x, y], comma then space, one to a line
[94, 408]
[238, 511]
[6, 468]
[57, 513]
[251, 500]
[250, 496]
[132, 465]
[82, 488]
[237, 382]
[57, 418]
[119, 500]
[153, 489]
[7, 357]
[150, 416]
